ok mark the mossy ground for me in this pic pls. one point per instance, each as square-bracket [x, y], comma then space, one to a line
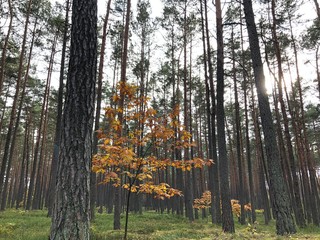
[34, 225]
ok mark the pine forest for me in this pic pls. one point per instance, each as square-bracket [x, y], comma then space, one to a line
[139, 114]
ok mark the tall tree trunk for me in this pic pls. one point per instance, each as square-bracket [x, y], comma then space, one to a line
[37, 149]
[123, 75]
[17, 121]
[262, 171]
[22, 181]
[238, 136]
[211, 116]
[227, 218]
[71, 210]
[42, 131]
[280, 199]
[57, 134]
[297, 205]
[248, 152]
[247, 137]
[188, 182]
[98, 109]
[15, 101]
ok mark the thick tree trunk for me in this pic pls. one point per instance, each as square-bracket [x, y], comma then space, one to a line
[71, 210]
[280, 199]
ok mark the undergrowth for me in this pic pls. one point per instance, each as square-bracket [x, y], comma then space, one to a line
[35, 225]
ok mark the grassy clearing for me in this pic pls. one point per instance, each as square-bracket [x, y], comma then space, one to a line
[34, 225]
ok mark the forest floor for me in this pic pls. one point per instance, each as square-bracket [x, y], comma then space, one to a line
[34, 225]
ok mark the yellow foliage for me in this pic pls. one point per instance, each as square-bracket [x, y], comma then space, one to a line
[117, 154]
[205, 202]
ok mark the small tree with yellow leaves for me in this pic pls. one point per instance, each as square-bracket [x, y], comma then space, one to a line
[130, 156]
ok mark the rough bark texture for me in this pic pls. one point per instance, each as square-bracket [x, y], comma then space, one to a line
[280, 198]
[71, 209]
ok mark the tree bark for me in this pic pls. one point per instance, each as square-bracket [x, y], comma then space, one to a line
[227, 218]
[71, 210]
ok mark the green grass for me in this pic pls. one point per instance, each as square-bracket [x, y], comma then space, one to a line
[34, 225]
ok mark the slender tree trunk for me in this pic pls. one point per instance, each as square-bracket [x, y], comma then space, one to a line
[188, 182]
[217, 218]
[238, 136]
[17, 121]
[262, 171]
[42, 131]
[98, 108]
[117, 199]
[57, 135]
[15, 101]
[22, 181]
[37, 149]
[227, 218]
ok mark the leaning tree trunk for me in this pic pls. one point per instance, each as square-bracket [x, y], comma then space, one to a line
[71, 210]
[280, 200]
[297, 204]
